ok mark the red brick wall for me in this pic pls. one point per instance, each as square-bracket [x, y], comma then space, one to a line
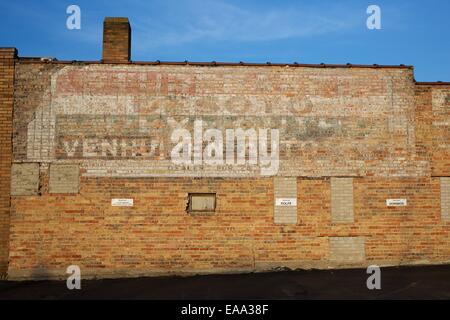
[334, 121]
[433, 107]
[424, 122]
[7, 56]
[378, 127]
[157, 236]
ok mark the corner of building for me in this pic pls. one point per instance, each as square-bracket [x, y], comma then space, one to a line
[7, 63]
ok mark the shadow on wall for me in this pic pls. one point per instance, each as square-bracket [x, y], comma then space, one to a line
[39, 272]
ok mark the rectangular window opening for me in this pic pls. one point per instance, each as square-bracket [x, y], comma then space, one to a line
[201, 203]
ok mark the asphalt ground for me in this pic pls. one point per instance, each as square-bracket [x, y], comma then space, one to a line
[418, 282]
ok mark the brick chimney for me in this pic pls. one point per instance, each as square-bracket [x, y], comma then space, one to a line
[116, 40]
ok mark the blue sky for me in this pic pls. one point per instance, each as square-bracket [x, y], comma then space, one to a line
[413, 32]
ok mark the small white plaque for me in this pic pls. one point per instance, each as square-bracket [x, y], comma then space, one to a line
[286, 202]
[396, 202]
[122, 202]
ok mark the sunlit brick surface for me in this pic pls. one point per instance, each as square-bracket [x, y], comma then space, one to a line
[7, 56]
[24, 179]
[349, 138]
[342, 200]
[64, 178]
[347, 249]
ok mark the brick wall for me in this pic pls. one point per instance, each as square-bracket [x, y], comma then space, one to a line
[432, 126]
[342, 200]
[441, 130]
[331, 121]
[157, 235]
[285, 189]
[374, 127]
[7, 56]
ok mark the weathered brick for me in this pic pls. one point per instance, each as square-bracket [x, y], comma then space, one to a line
[7, 65]
[342, 200]
[64, 178]
[349, 138]
[24, 179]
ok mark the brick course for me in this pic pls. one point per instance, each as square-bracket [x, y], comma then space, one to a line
[157, 236]
[64, 178]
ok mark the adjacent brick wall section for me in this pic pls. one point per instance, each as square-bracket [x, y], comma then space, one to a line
[24, 179]
[64, 178]
[116, 40]
[342, 200]
[285, 188]
[7, 63]
[324, 131]
[445, 198]
[433, 127]
[347, 250]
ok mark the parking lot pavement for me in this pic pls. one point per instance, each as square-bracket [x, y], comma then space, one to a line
[419, 282]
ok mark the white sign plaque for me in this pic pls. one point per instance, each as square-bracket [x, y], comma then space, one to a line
[122, 202]
[286, 202]
[396, 202]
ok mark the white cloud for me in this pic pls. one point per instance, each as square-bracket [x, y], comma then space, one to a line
[220, 21]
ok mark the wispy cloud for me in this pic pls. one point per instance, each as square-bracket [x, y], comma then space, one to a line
[221, 21]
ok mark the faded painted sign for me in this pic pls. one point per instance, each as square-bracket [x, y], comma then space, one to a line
[293, 123]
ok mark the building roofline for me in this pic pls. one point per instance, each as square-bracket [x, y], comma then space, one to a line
[436, 83]
[47, 60]
[213, 63]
